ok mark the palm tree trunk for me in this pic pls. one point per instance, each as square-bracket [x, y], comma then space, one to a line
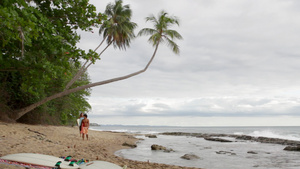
[83, 68]
[76, 76]
[19, 113]
[99, 44]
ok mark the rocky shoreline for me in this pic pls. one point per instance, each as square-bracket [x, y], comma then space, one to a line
[292, 145]
[207, 150]
[239, 137]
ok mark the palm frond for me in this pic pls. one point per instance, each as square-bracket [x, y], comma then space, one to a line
[146, 31]
[173, 46]
[152, 19]
[118, 29]
[154, 39]
[161, 31]
[173, 34]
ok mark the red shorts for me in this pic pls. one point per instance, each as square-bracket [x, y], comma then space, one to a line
[84, 130]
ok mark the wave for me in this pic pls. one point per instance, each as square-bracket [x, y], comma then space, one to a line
[272, 134]
[288, 133]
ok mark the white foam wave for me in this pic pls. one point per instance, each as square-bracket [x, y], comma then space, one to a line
[238, 133]
[272, 134]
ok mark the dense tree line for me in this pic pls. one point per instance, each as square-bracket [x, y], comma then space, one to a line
[39, 56]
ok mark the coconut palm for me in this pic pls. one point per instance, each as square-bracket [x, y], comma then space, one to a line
[160, 33]
[116, 30]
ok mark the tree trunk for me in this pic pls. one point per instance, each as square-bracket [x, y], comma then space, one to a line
[84, 68]
[19, 113]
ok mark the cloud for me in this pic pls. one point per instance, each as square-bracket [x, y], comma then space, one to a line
[239, 58]
[198, 107]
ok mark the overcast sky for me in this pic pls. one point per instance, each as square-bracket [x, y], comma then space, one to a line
[239, 65]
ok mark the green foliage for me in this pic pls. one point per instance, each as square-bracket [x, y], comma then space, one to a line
[118, 29]
[39, 57]
[161, 32]
[38, 53]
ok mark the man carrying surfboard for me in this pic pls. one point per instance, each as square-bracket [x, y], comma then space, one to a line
[85, 124]
[79, 122]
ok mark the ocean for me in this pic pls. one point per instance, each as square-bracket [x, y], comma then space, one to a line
[239, 154]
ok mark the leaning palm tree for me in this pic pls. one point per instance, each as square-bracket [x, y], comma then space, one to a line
[160, 33]
[116, 30]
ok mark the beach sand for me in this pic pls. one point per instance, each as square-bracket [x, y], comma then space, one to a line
[64, 141]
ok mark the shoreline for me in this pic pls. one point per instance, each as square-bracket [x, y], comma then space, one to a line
[209, 148]
[64, 141]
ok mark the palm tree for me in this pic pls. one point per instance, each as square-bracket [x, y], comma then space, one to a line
[116, 30]
[160, 33]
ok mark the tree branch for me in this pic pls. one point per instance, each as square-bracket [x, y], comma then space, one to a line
[18, 114]
[83, 68]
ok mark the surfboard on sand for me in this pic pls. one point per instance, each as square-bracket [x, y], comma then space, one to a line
[99, 165]
[40, 160]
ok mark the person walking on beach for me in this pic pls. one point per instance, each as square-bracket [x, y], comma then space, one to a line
[85, 124]
[79, 122]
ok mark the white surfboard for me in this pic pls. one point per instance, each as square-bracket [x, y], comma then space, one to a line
[39, 159]
[99, 165]
[78, 120]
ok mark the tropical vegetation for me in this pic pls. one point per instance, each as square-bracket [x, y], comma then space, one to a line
[42, 76]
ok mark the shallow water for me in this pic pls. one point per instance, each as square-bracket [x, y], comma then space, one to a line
[232, 155]
[216, 155]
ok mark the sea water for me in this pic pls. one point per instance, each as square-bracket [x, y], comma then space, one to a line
[213, 155]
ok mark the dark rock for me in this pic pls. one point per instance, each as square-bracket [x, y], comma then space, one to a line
[252, 152]
[169, 150]
[216, 139]
[151, 135]
[129, 145]
[225, 152]
[244, 137]
[158, 147]
[292, 148]
[94, 124]
[190, 157]
[222, 152]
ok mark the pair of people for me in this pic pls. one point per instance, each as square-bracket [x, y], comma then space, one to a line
[84, 125]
